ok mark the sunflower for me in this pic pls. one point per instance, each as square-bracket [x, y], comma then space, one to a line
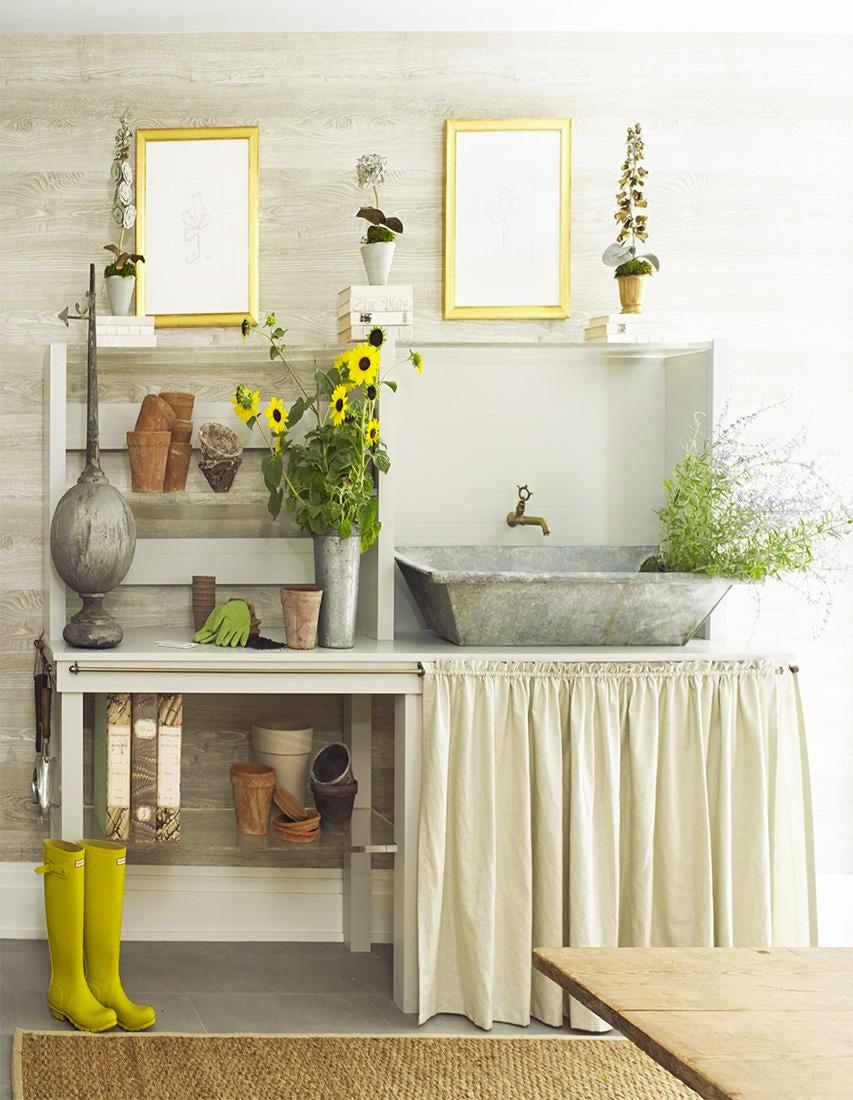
[363, 364]
[338, 404]
[371, 392]
[377, 337]
[276, 415]
[341, 364]
[417, 361]
[244, 327]
[371, 433]
[246, 403]
[270, 321]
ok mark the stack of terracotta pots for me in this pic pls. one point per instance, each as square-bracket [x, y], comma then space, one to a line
[160, 446]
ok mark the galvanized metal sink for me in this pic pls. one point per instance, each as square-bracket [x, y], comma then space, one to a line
[555, 595]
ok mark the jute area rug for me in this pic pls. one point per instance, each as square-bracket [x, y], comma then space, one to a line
[49, 1065]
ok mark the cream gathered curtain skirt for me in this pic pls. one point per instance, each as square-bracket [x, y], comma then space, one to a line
[603, 805]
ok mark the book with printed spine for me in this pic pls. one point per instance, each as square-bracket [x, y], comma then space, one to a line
[169, 722]
[143, 768]
[112, 765]
[378, 299]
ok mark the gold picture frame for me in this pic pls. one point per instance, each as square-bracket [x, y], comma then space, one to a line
[558, 273]
[144, 139]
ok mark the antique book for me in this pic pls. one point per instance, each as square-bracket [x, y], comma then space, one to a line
[143, 768]
[382, 299]
[112, 765]
[169, 720]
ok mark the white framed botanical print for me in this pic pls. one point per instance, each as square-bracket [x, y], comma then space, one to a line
[197, 225]
[507, 217]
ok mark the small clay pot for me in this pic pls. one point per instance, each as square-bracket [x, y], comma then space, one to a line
[332, 765]
[335, 801]
[220, 475]
[155, 415]
[149, 453]
[300, 605]
[182, 403]
[252, 786]
[204, 599]
[182, 431]
[177, 467]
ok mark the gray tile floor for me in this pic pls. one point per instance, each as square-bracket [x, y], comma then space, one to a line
[259, 987]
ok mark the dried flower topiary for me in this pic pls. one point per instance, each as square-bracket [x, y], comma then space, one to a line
[370, 169]
[124, 210]
[632, 224]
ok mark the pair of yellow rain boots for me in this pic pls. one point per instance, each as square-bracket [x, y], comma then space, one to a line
[83, 895]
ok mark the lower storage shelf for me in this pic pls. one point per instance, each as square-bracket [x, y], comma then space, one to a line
[209, 837]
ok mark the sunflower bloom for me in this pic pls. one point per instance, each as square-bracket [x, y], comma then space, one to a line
[417, 361]
[338, 404]
[276, 415]
[377, 336]
[363, 364]
[246, 403]
[270, 321]
[371, 433]
[341, 364]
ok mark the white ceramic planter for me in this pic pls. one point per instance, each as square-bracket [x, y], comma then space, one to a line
[287, 749]
[378, 258]
[120, 292]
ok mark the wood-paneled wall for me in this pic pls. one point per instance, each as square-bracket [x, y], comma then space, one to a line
[750, 155]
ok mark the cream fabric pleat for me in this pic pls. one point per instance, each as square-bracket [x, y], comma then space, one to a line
[660, 804]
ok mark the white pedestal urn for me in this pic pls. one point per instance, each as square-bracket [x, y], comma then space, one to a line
[92, 533]
[378, 258]
[120, 291]
[336, 568]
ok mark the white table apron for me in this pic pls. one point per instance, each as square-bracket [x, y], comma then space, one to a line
[77, 673]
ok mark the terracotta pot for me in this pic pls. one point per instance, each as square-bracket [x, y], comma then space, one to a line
[155, 415]
[335, 802]
[177, 467]
[332, 765]
[182, 403]
[631, 289]
[252, 786]
[204, 599]
[220, 475]
[182, 432]
[149, 453]
[300, 605]
[286, 748]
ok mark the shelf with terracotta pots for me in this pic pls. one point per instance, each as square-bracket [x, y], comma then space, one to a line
[209, 837]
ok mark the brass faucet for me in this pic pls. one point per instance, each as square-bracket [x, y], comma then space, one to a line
[519, 519]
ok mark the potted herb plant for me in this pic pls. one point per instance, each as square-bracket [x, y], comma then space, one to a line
[379, 242]
[326, 480]
[120, 275]
[631, 269]
[749, 510]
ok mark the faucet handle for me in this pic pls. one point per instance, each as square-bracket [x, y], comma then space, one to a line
[524, 493]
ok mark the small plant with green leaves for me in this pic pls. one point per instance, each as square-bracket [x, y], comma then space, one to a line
[370, 172]
[749, 510]
[631, 204]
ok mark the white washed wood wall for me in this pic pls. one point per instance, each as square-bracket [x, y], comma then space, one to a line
[750, 153]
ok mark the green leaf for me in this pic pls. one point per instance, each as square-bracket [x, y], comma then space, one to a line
[251, 422]
[272, 468]
[391, 384]
[346, 528]
[381, 461]
[275, 502]
[273, 352]
[278, 334]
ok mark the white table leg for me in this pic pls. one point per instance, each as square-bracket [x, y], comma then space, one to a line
[407, 800]
[357, 885]
[67, 817]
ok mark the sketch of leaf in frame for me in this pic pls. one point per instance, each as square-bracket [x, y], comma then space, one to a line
[507, 211]
[197, 225]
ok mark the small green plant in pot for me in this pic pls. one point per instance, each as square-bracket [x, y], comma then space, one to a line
[120, 275]
[380, 240]
[631, 269]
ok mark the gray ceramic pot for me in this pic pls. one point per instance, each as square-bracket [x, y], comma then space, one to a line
[336, 566]
[119, 291]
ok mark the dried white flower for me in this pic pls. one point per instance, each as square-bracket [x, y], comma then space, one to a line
[129, 219]
[370, 169]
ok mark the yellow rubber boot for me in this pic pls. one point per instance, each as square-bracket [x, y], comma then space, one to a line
[105, 864]
[69, 995]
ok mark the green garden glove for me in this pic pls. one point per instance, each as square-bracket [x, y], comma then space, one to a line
[226, 625]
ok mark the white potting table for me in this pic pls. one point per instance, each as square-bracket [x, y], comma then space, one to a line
[371, 668]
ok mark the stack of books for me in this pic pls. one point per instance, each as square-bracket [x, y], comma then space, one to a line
[138, 766]
[361, 308]
[635, 328]
[125, 332]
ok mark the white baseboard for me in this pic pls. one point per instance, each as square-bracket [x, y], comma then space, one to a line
[211, 903]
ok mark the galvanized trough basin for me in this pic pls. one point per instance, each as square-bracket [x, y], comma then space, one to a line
[555, 595]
